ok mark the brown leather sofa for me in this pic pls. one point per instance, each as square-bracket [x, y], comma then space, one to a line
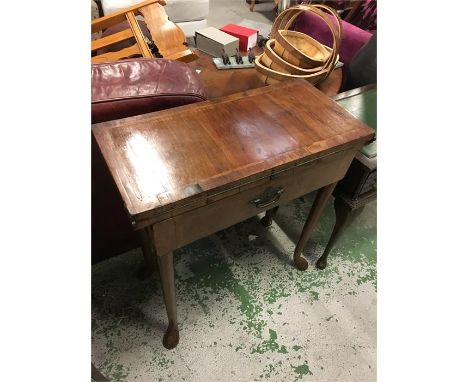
[123, 89]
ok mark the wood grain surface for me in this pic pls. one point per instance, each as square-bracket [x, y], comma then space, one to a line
[181, 156]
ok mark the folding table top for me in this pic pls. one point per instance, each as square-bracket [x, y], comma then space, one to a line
[165, 159]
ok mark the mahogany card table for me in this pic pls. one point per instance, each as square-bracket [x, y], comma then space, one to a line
[190, 171]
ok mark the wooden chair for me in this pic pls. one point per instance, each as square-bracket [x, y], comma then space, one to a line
[347, 9]
[168, 37]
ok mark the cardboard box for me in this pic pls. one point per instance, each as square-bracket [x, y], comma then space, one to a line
[247, 36]
[212, 41]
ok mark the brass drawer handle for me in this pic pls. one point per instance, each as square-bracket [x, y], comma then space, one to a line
[270, 196]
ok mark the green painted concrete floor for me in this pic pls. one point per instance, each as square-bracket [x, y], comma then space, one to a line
[245, 313]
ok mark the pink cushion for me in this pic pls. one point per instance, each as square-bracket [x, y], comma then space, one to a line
[353, 38]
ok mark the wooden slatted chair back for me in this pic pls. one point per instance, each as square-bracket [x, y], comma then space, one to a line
[139, 48]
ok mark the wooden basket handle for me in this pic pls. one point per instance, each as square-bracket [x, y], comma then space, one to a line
[336, 30]
[285, 20]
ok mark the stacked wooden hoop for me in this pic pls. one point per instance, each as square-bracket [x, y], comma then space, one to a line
[289, 54]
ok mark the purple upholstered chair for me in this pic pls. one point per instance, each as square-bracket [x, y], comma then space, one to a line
[353, 37]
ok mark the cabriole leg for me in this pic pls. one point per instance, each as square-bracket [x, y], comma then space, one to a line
[319, 204]
[166, 272]
[344, 217]
[267, 220]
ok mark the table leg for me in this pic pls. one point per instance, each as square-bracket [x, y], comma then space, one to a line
[149, 265]
[163, 240]
[96, 375]
[344, 216]
[166, 273]
[267, 220]
[319, 204]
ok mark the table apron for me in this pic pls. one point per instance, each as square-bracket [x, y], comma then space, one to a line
[192, 225]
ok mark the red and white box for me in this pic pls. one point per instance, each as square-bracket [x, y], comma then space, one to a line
[247, 36]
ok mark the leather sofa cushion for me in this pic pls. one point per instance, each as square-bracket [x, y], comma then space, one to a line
[123, 89]
[131, 87]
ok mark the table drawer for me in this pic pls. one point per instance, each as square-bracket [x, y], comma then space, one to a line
[252, 199]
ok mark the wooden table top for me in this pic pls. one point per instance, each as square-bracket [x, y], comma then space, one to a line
[221, 83]
[165, 159]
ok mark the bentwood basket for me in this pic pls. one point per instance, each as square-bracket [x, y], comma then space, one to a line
[271, 77]
[272, 60]
[291, 54]
[300, 49]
